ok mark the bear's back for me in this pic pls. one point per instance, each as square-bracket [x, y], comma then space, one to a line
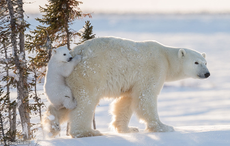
[105, 46]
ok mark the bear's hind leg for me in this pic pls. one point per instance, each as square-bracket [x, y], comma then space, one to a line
[122, 112]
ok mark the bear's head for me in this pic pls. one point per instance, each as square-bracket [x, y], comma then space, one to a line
[62, 54]
[194, 63]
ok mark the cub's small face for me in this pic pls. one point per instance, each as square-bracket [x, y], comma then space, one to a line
[195, 64]
[62, 54]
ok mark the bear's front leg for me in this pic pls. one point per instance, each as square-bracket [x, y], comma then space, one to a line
[82, 116]
[146, 110]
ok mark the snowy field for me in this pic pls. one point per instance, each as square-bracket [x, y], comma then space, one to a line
[198, 109]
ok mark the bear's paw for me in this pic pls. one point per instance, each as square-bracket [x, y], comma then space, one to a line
[85, 133]
[127, 130]
[160, 128]
[132, 130]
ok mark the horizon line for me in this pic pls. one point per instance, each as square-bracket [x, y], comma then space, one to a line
[151, 13]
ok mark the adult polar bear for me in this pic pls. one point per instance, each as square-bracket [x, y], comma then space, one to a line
[131, 72]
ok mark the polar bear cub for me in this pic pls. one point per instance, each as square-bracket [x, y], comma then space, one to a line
[60, 66]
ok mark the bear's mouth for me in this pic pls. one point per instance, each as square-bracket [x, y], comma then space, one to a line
[200, 76]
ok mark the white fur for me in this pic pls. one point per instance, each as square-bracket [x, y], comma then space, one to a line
[52, 119]
[59, 67]
[131, 72]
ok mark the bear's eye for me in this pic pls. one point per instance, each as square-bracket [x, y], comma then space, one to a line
[196, 63]
[205, 63]
[64, 54]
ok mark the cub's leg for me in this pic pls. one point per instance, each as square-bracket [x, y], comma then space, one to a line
[69, 101]
[52, 119]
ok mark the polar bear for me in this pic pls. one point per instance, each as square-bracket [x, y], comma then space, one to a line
[133, 73]
[61, 64]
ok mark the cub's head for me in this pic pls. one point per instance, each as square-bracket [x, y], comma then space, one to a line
[194, 63]
[62, 54]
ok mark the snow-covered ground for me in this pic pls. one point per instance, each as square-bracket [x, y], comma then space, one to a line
[198, 109]
[183, 136]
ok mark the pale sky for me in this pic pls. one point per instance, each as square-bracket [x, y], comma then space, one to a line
[143, 6]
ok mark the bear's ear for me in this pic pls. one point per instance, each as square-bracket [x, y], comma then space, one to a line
[181, 53]
[204, 55]
[54, 51]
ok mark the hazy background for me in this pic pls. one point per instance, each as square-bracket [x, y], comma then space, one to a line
[144, 6]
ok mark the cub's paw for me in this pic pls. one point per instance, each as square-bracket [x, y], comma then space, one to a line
[50, 126]
[55, 126]
[54, 130]
[51, 129]
[70, 103]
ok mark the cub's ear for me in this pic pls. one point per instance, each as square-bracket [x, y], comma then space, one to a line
[181, 53]
[204, 55]
[54, 51]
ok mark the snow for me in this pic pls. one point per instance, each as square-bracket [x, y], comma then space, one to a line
[197, 109]
[51, 117]
[183, 136]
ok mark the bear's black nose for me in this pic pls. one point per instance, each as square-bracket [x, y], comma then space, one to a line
[70, 59]
[207, 75]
